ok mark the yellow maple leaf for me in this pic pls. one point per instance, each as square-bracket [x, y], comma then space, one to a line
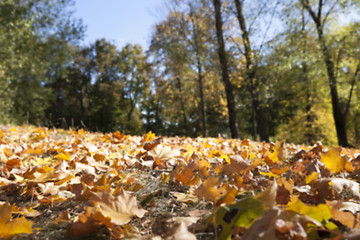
[63, 156]
[311, 177]
[333, 160]
[319, 212]
[189, 151]
[10, 227]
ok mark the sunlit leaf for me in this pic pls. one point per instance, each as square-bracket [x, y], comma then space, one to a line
[333, 160]
[319, 212]
[120, 209]
[311, 177]
[10, 227]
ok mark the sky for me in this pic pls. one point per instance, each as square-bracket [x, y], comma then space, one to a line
[119, 21]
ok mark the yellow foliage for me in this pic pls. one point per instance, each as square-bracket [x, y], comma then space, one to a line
[333, 160]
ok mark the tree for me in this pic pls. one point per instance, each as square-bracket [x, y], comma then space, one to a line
[36, 37]
[225, 73]
[133, 73]
[251, 75]
[320, 20]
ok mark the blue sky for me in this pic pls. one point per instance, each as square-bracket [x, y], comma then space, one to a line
[120, 21]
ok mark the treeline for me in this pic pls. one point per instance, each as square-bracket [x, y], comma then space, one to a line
[252, 69]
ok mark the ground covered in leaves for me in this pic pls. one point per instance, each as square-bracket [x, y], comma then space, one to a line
[57, 184]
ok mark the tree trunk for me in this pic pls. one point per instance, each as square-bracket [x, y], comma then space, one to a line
[132, 107]
[202, 102]
[225, 73]
[182, 105]
[310, 118]
[339, 116]
[200, 76]
[251, 76]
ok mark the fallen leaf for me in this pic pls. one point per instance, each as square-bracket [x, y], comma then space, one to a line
[10, 227]
[331, 188]
[63, 217]
[319, 212]
[85, 224]
[209, 190]
[181, 233]
[240, 214]
[268, 197]
[311, 177]
[333, 160]
[187, 198]
[120, 209]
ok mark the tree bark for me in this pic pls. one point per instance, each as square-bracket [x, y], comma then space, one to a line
[182, 105]
[202, 101]
[200, 76]
[339, 116]
[251, 76]
[225, 72]
[310, 118]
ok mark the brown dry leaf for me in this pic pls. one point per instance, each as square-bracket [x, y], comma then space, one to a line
[330, 188]
[275, 223]
[188, 174]
[263, 228]
[150, 145]
[120, 209]
[209, 190]
[63, 217]
[99, 157]
[268, 197]
[346, 218]
[282, 195]
[237, 164]
[10, 227]
[86, 223]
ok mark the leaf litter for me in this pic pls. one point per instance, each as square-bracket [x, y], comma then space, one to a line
[81, 185]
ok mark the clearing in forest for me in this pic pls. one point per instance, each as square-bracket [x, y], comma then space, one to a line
[79, 184]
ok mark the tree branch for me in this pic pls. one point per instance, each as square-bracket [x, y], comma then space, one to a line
[268, 27]
[307, 6]
[320, 9]
[328, 12]
[351, 90]
[258, 14]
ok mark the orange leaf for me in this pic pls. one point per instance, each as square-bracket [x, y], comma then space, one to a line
[209, 190]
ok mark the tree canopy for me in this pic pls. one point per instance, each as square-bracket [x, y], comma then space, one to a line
[249, 69]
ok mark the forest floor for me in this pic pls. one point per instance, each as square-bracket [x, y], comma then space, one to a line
[57, 184]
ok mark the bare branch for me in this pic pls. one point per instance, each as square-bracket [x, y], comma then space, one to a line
[268, 27]
[257, 15]
[328, 12]
[307, 6]
[351, 89]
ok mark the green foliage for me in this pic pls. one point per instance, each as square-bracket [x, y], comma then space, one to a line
[35, 38]
[175, 87]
